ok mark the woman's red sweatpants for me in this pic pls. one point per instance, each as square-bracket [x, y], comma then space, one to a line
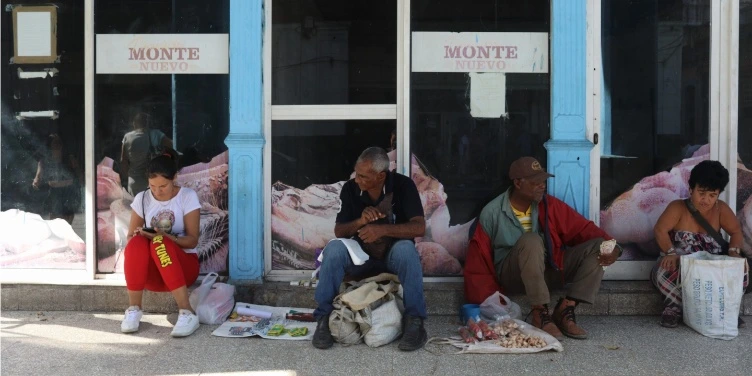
[158, 265]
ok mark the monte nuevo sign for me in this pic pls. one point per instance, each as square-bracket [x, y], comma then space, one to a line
[162, 53]
[480, 52]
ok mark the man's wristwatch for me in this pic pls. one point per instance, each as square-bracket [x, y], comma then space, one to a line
[735, 250]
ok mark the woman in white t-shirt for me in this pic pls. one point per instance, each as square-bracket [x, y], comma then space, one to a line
[160, 254]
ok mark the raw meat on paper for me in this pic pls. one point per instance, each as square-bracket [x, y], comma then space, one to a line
[513, 335]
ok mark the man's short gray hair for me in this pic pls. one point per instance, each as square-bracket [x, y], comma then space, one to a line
[378, 158]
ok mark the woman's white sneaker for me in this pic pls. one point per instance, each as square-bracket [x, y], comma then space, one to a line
[131, 320]
[186, 325]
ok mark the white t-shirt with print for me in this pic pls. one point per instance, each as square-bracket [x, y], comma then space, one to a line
[167, 215]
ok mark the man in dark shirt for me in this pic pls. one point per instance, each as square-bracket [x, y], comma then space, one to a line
[383, 212]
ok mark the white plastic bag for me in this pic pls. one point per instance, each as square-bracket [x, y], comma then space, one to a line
[493, 310]
[712, 293]
[212, 302]
[385, 324]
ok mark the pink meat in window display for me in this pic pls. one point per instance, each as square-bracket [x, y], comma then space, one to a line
[631, 216]
[303, 221]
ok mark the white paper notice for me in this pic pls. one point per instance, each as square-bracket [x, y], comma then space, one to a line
[488, 95]
[34, 33]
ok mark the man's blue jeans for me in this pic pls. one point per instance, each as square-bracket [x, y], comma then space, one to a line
[402, 260]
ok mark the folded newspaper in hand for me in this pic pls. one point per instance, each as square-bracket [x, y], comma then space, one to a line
[358, 256]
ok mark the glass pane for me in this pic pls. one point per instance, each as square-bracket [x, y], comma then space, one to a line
[744, 182]
[469, 156]
[655, 117]
[334, 52]
[311, 160]
[190, 112]
[42, 223]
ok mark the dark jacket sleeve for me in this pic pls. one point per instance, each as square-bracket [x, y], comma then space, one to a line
[479, 272]
[573, 228]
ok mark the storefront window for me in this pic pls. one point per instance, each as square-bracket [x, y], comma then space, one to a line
[188, 112]
[311, 160]
[467, 154]
[744, 169]
[42, 223]
[656, 63]
[334, 52]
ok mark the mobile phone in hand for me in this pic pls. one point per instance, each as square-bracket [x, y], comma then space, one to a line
[149, 230]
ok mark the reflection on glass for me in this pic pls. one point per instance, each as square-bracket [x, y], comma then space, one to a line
[136, 116]
[334, 52]
[42, 223]
[656, 60]
[466, 159]
[311, 160]
[744, 169]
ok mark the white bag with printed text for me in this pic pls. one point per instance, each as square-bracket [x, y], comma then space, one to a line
[712, 289]
[211, 301]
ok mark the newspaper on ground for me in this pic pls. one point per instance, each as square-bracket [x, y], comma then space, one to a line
[275, 327]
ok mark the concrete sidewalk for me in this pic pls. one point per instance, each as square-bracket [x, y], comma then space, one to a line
[83, 343]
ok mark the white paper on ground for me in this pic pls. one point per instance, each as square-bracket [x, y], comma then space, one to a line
[487, 94]
[237, 329]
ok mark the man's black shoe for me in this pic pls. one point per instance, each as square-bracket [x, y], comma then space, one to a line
[414, 336]
[322, 337]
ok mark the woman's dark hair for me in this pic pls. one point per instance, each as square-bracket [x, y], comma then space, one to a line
[709, 175]
[164, 165]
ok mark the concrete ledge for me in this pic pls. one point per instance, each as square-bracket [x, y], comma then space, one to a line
[443, 299]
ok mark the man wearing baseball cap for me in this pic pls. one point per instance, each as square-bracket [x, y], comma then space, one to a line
[526, 241]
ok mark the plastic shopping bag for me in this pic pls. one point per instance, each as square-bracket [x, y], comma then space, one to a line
[211, 301]
[492, 308]
[712, 289]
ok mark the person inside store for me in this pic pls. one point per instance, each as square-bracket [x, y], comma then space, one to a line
[526, 241]
[392, 141]
[693, 225]
[382, 210]
[160, 254]
[59, 174]
[138, 148]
